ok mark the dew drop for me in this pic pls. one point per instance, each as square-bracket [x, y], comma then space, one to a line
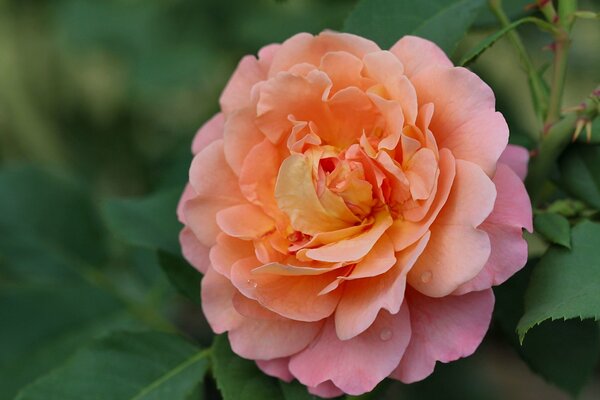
[385, 334]
[426, 276]
[252, 283]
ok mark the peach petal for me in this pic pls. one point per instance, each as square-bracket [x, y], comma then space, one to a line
[323, 238]
[517, 158]
[188, 194]
[364, 298]
[443, 266]
[227, 251]
[354, 248]
[306, 48]
[217, 293]
[394, 119]
[240, 136]
[294, 297]
[357, 365]
[296, 196]
[293, 270]
[267, 339]
[512, 212]
[326, 390]
[208, 133]
[277, 368]
[443, 330]
[200, 215]
[421, 171]
[417, 53]
[405, 232]
[245, 221]
[344, 69]
[194, 251]
[464, 105]
[378, 261]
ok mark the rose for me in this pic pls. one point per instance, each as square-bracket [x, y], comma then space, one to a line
[351, 208]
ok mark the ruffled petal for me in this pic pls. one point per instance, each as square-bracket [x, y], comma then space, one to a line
[417, 53]
[208, 133]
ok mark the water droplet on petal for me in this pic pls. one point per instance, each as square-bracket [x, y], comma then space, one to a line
[252, 283]
[385, 334]
[426, 276]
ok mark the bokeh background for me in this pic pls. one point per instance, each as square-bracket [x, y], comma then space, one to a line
[99, 101]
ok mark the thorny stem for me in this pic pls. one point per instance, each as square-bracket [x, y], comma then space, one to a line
[537, 86]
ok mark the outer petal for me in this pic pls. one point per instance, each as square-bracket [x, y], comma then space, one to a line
[357, 365]
[208, 133]
[443, 330]
[326, 389]
[306, 48]
[364, 298]
[217, 294]
[240, 135]
[277, 367]
[457, 250]
[464, 120]
[227, 251]
[416, 53]
[194, 252]
[277, 337]
[512, 212]
[188, 194]
[517, 158]
[245, 221]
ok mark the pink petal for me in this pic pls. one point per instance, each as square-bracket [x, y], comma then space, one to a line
[457, 250]
[517, 158]
[357, 365]
[277, 367]
[364, 298]
[208, 133]
[265, 339]
[444, 329]
[217, 294]
[464, 120]
[326, 390]
[240, 136]
[194, 252]
[188, 194]
[512, 212]
[416, 54]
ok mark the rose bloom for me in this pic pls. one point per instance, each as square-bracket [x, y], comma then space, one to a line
[350, 208]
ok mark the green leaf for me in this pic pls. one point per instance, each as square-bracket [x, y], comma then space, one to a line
[184, 277]
[594, 137]
[563, 352]
[295, 391]
[385, 21]
[47, 223]
[580, 173]
[565, 284]
[493, 38]
[553, 227]
[514, 9]
[132, 366]
[148, 222]
[240, 379]
[43, 325]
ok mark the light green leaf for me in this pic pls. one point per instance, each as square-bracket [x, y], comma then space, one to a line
[553, 227]
[580, 173]
[444, 22]
[184, 277]
[240, 379]
[125, 366]
[148, 222]
[563, 352]
[493, 38]
[565, 284]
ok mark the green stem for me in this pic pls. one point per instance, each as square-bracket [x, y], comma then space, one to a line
[538, 92]
[556, 140]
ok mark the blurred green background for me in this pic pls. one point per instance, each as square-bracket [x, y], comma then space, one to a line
[99, 100]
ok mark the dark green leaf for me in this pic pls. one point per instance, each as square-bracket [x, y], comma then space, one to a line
[240, 379]
[132, 366]
[43, 325]
[565, 283]
[554, 227]
[493, 38]
[514, 9]
[149, 222]
[580, 173]
[184, 277]
[47, 223]
[563, 352]
[385, 21]
[295, 391]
